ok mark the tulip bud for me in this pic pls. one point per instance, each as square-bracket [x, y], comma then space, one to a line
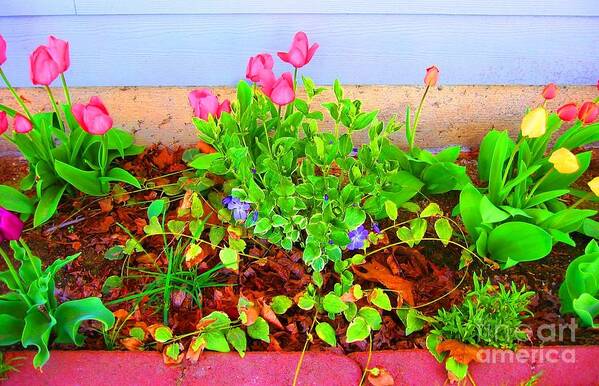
[549, 91]
[93, 117]
[588, 112]
[59, 50]
[594, 185]
[22, 124]
[11, 226]
[568, 112]
[534, 123]
[431, 77]
[564, 161]
[3, 122]
[280, 91]
[43, 68]
[2, 50]
[256, 64]
[299, 53]
[205, 103]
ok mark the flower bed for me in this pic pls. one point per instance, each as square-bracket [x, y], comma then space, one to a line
[275, 235]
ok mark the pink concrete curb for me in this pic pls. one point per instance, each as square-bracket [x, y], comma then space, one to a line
[561, 366]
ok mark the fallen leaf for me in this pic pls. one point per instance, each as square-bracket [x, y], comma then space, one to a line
[378, 376]
[196, 347]
[204, 147]
[105, 204]
[269, 315]
[164, 158]
[375, 271]
[132, 344]
[121, 314]
[461, 352]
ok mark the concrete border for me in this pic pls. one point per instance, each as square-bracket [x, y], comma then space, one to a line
[452, 115]
[559, 366]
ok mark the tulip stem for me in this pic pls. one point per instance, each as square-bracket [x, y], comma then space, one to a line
[582, 199]
[65, 89]
[55, 106]
[511, 160]
[538, 183]
[15, 95]
[15, 276]
[104, 159]
[417, 118]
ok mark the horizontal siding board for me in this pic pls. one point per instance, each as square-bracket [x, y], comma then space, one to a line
[447, 7]
[36, 7]
[360, 49]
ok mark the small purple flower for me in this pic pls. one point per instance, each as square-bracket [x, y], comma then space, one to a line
[331, 242]
[253, 170]
[239, 208]
[375, 227]
[326, 198]
[354, 152]
[357, 238]
[255, 216]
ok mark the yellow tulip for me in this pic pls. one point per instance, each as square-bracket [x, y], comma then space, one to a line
[564, 161]
[594, 185]
[534, 124]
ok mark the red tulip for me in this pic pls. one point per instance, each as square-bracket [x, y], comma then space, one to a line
[280, 91]
[549, 91]
[205, 103]
[93, 117]
[22, 124]
[3, 122]
[59, 50]
[299, 54]
[43, 68]
[11, 226]
[256, 64]
[588, 112]
[568, 112]
[2, 50]
[432, 76]
[598, 85]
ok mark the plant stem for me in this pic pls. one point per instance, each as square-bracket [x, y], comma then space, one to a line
[301, 360]
[53, 101]
[366, 369]
[15, 95]
[539, 182]
[581, 200]
[67, 96]
[511, 160]
[104, 159]
[417, 118]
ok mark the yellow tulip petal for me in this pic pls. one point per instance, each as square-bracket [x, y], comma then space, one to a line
[534, 124]
[594, 185]
[564, 161]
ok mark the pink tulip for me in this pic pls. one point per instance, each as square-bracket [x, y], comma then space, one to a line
[3, 122]
[59, 50]
[568, 112]
[205, 103]
[93, 117]
[2, 50]
[299, 54]
[280, 91]
[43, 68]
[22, 124]
[11, 226]
[431, 77]
[256, 64]
[549, 91]
[588, 112]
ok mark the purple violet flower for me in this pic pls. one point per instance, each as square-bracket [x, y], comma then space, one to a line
[375, 228]
[255, 216]
[326, 197]
[357, 238]
[239, 208]
[354, 152]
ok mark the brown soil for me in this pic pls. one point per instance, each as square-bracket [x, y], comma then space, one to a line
[89, 226]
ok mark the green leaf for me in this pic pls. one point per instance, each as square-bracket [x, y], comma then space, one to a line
[431, 209]
[518, 241]
[115, 253]
[412, 319]
[354, 217]
[71, 314]
[372, 317]
[176, 227]
[121, 175]
[36, 332]
[216, 235]
[154, 227]
[163, 334]
[215, 341]
[333, 304]
[244, 95]
[418, 228]
[48, 203]
[391, 210]
[13, 200]
[357, 330]
[111, 282]
[327, 333]
[173, 351]
[405, 235]
[237, 338]
[230, 258]
[444, 230]
[12, 329]
[470, 199]
[459, 370]
[259, 330]
[432, 341]
[490, 213]
[380, 299]
[280, 304]
[262, 226]
[87, 181]
[156, 208]
[205, 161]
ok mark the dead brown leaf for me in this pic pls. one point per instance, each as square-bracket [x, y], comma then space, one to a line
[375, 271]
[461, 352]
